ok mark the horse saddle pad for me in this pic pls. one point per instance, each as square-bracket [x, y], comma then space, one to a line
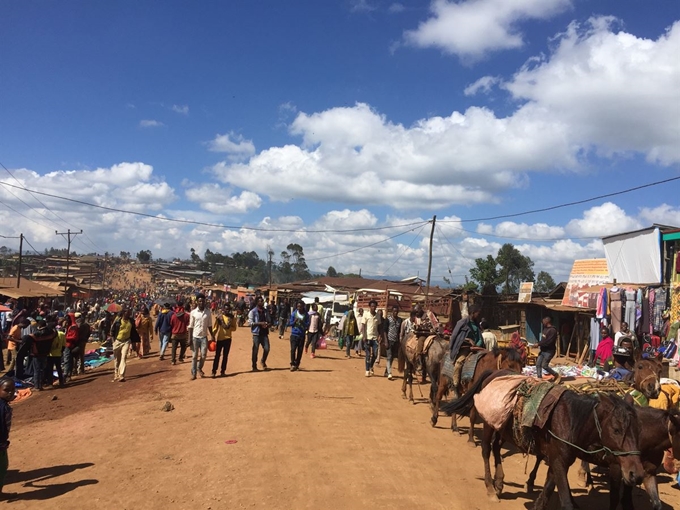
[470, 365]
[428, 342]
[411, 346]
[447, 366]
[536, 401]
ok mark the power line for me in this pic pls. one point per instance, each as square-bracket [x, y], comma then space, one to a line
[23, 215]
[404, 250]
[363, 247]
[36, 251]
[568, 204]
[452, 246]
[215, 225]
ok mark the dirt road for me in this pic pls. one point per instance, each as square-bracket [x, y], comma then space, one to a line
[324, 437]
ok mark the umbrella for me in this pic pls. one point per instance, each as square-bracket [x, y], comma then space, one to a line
[113, 308]
[163, 300]
[4, 308]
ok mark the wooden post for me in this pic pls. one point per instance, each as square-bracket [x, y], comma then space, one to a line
[429, 263]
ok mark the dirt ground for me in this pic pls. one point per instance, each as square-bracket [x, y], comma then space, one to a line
[324, 437]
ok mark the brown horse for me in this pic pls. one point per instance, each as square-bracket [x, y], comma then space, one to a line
[646, 379]
[579, 426]
[407, 364]
[505, 358]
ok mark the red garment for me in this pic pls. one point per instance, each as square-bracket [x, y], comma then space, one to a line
[179, 321]
[605, 350]
[72, 332]
[656, 341]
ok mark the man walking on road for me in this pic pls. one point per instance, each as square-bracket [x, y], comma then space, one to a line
[299, 323]
[259, 326]
[393, 328]
[284, 314]
[200, 323]
[370, 328]
[163, 329]
[548, 346]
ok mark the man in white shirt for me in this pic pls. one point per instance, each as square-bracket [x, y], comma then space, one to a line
[200, 322]
[370, 329]
[490, 341]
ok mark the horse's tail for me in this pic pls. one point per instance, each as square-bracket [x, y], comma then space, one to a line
[401, 358]
[463, 404]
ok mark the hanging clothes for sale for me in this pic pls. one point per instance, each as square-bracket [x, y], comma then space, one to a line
[658, 309]
[616, 309]
[645, 319]
[629, 313]
[638, 310]
[594, 333]
[652, 298]
[602, 304]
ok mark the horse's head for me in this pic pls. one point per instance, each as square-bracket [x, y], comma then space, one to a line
[619, 431]
[646, 375]
[511, 359]
[674, 432]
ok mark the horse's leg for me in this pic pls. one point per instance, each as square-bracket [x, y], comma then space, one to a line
[614, 485]
[471, 431]
[403, 382]
[411, 369]
[441, 389]
[560, 467]
[487, 438]
[650, 486]
[585, 479]
[548, 488]
[532, 476]
[498, 461]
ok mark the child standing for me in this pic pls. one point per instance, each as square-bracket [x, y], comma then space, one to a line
[7, 394]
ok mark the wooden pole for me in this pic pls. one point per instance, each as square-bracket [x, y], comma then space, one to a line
[21, 247]
[429, 262]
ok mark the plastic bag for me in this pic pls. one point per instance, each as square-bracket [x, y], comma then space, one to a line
[212, 345]
[321, 343]
[341, 342]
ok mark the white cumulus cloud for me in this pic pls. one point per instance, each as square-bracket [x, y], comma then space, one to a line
[182, 109]
[233, 144]
[473, 28]
[218, 200]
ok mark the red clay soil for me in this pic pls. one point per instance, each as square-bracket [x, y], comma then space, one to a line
[323, 437]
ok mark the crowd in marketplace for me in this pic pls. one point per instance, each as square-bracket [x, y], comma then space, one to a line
[46, 343]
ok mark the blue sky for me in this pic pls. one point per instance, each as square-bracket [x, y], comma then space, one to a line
[341, 115]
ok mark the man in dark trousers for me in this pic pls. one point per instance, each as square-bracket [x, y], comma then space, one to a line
[283, 314]
[259, 327]
[299, 323]
[465, 337]
[548, 346]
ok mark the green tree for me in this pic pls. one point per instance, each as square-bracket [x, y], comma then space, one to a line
[331, 272]
[125, 255]
[195, 257]
[485, 272]
[544, 282]
[514, 268]
[144, 256]
[470, 285]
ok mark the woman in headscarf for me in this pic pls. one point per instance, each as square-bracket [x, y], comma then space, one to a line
[144, 328]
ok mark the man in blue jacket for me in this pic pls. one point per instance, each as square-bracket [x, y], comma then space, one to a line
[163, 328]
[299, 323]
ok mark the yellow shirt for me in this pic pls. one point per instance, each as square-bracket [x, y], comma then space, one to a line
[221, 332]
[58, 344]
[124, 331]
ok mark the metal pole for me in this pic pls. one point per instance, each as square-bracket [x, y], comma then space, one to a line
[429, 262]
[21, 246]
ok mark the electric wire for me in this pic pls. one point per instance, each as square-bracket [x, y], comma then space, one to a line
[47, 207]
[362, 247]
[214, 225]
[567, 204]
[404, 250]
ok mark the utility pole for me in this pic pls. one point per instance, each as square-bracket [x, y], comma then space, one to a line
[429, 262]
[21, 247]
[270, 252]
[68, 235]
